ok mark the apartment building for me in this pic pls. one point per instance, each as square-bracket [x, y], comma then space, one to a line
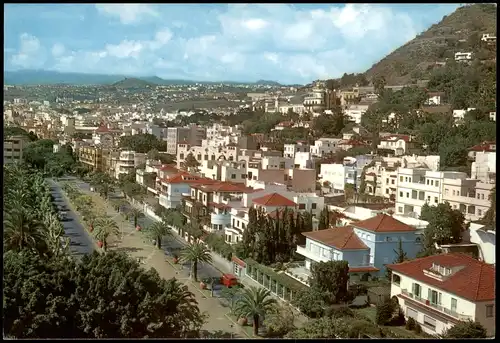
[126, 162]
[103, 136]
[91, 156]
[226, 171]
[324, 146]
[463, 56]
[13, 148]
[440, 291]
[314, 102]
[289, 150]
[419, 186]
[367, 245]
[192, 135]
[206, 153]
[172, 188]
[349, 172]
[381, 174]
[270, 199]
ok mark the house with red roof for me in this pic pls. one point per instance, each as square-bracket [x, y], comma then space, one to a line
[175, 186]
[440, 291]
[367, 245]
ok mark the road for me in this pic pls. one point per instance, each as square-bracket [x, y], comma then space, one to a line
[80, 242]
[171, 245]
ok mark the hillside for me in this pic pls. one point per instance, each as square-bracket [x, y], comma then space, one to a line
[459, 31]
[133, 83]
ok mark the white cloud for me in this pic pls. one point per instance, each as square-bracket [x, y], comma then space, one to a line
[128, 13]
[255, 24]
[162, 37]
[271, 57]
[125, 49]
[58, 50]
[29, 54]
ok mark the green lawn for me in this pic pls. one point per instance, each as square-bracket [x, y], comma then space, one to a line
[369, 312]
[401, 330]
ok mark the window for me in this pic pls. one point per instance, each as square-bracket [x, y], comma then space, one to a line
[302, 206]
[416, 290]
[446, 191]
[181, 156]
[396, 279]
[313, 206]
[392, 181]
[430, 322]
[325, 252]
[400, 179]
[413, 194]
[387, 191]
[479, 212]
[400, 194]
[418, 240]
[453, 305]
[482, 196]
[407, 194]
[434, 297]
[432, 182]
[421, 196]
[427, 181]
[437, 184]
[435, 200]
[489, 311]
[400, 209]
[198, 157]
[454, 192]
[233, 176]
[406, 179]
[387, 181]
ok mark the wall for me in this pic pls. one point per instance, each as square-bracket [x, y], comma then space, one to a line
[488, 322]
[303, 180]
[486, 240]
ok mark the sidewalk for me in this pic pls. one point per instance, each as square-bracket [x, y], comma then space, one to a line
[300, 319]
[138, 246]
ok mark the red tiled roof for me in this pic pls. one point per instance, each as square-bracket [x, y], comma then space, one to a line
[102, 128]
[274, 199]
[383, 223]
[366, 269]
[168, 167]
[484, 146]
[475, 281]
[278, 212]
[341, 238]
[185, 177]
[220, 186]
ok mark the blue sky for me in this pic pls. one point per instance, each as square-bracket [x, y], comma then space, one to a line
[288, 43]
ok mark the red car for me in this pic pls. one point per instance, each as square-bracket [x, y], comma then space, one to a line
[229, 280]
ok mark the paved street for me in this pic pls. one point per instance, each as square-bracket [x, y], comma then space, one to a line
[137, 245]
[81, 243]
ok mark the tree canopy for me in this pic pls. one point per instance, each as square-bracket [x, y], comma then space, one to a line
[142, 143]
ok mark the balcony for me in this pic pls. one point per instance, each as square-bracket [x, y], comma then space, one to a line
[421, 186]
[310, 255]
[471, 201]
[436, 306]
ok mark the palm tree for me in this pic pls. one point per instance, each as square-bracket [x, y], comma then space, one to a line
[193, 228]
[158, 230]
[104, 227]
[195, 253]
[22, 231]
[254, 302]
[136, 214]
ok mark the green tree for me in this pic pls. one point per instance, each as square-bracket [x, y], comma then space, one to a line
[489, 218]
[466, 329]
[190, 163]
[311, 302]
[104, 296]
[279, 321]
[196, 253]
[445, 225]
[231, 294]
[105, 227]
[158, 230]
[135, 214]
[331, 278]
[255, 302]
[384, 312]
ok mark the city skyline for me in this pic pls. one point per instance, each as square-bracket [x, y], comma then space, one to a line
[279, 42]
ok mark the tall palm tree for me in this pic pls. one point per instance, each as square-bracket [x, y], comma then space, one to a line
[135, 213]
[254, 302]
[195, 253]
[104, 227]
[22, 231]
[158, 230]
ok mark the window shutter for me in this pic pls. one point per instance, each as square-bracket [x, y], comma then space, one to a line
[413, 288]
[429, 294]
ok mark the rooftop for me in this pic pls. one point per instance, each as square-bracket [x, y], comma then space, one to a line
[274, 199]
[341, 238]
[383, 223]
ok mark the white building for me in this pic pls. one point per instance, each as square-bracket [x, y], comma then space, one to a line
[356, 112]
[417, 187]
[206, 153]
[289, 150]
[463, 56]
[488, 38]
[484, 165]
[459, 115]
[493, 116]
[127, 161]
[324, 146]
[440, 291]
[400, 144]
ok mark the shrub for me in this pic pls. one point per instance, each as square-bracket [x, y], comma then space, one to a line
[418, 328]
[411, 324]
[384, 312]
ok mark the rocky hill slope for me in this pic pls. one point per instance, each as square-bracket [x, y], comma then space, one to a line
[460, 31]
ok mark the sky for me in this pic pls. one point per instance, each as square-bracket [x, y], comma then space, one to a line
[288, 43]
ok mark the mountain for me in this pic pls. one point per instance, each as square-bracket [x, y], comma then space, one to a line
[47, 77]
[267, 83]
[460, 31]
[133, 83]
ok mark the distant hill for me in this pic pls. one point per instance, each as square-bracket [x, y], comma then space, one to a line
[460, 31]
[47, 77]
[133, 83]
